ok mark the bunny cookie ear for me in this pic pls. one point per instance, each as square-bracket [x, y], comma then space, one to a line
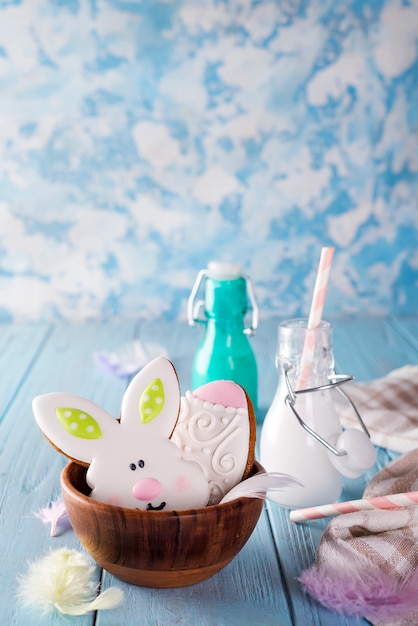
[73, 425]
[153, 398]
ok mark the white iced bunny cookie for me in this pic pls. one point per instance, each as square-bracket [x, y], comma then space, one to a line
[132, 462]
[216, 429]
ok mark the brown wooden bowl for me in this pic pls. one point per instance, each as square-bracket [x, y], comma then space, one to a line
[158, 548]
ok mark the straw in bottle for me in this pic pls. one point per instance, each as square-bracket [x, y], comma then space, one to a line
[315, 315]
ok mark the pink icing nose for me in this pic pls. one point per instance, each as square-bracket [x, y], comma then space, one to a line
[146, 489]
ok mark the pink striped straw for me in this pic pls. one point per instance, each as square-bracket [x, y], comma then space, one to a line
[315, 315]
[393, 501]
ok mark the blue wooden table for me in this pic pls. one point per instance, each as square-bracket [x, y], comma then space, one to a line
[259, 586]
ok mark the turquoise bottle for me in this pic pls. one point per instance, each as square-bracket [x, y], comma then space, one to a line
[225, 352]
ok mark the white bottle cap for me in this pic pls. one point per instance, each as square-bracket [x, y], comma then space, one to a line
[224, 271]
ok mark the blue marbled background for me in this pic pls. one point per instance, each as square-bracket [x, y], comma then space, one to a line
[139, 140]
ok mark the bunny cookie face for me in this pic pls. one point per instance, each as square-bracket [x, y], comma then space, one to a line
[132, 463]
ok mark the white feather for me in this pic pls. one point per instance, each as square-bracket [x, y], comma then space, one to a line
[64, 579]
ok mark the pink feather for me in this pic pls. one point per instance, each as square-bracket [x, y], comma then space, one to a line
[363, 592]
[56, 515]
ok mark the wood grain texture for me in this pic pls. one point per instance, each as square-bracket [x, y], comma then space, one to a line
[158, 548]
[259, 586]
[61, 359]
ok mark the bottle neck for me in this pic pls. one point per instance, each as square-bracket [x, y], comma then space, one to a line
[305, 355]
[226, 300]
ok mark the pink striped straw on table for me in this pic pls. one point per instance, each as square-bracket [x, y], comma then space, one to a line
[393, 501]
[315, 315]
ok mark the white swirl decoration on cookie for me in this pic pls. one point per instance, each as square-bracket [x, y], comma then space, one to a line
[215, 437]
[216, 427]
[203, 423]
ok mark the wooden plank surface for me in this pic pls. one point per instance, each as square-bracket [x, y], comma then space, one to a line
[259, 586]
[30, 468]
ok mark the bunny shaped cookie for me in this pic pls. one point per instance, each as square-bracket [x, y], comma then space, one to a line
[132, 462]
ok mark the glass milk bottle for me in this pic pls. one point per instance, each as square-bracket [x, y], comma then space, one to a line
[285, 445]
[225, 351]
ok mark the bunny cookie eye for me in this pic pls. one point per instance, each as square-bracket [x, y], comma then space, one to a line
[141, 464]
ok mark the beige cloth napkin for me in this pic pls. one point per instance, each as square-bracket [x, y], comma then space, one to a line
[388, 407]
[367, 562]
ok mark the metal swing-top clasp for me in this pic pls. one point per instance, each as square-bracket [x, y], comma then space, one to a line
[335, 382]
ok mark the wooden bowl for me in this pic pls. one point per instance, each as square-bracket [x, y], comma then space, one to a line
[158, 548]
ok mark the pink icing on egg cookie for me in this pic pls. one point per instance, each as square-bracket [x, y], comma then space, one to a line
[223, 392]
[216, 430]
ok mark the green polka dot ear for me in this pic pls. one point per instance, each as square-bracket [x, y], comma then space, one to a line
[78, 423]
[132, 461]
[152, 401]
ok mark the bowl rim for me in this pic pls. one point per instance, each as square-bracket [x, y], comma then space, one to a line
[67, 485]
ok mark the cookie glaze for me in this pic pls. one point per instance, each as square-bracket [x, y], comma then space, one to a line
[132, 462]
[213, 430]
